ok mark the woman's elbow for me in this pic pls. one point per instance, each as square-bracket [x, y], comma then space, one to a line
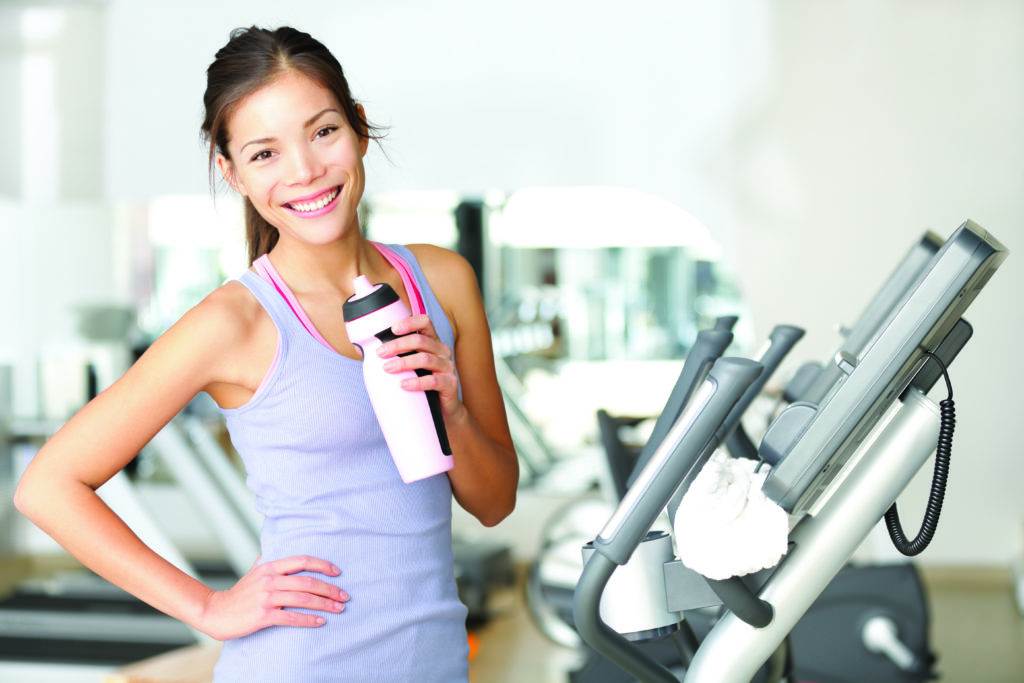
[496, 518]
[24, 499]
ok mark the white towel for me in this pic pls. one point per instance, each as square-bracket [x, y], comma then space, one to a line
[725, 525]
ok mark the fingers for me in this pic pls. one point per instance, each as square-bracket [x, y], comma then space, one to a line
[298, 563]
[262, 597]
[297, 599]
[427, 361]
[414, 323]
[414, 342]
[446, 383]
[282, 617]
[280, 589]
[308, 584]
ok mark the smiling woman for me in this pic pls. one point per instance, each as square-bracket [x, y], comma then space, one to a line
[286, 134]
[335, 135]
[271, 349]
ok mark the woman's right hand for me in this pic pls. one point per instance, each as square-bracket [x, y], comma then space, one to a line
[258, 599]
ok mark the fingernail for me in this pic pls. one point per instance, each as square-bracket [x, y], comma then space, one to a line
[320, 620]
[390, 365]
[382, 350]
[336, 568]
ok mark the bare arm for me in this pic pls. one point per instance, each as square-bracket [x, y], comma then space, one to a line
[485, 479]
[58, 489]
[486, 473]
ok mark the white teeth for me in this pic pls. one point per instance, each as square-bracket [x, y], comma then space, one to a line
[313, 206]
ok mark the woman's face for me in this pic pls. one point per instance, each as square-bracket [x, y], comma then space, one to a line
[294, 155]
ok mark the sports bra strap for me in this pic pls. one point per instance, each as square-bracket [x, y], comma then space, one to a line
[396, 261]
[399, 264]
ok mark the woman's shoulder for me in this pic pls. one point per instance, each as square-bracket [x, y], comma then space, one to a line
[451, 276]
[232, 306]
[233, 315]
[440, 264]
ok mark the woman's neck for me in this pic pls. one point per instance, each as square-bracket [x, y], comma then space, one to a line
[329, 269]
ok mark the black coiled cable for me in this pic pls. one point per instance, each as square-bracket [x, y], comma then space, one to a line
[947, 423]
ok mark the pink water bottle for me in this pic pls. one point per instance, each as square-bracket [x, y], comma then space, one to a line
[412, 421]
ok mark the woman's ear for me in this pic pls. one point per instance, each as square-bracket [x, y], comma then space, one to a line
[227, 171]
[364, 142]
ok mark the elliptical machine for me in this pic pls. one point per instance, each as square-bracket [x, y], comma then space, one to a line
[823, 638]
[874, 416]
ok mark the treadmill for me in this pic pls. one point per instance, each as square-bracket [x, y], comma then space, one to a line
[874, 417]
[76, 616]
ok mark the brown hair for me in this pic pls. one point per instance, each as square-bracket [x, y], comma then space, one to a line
[252, 58]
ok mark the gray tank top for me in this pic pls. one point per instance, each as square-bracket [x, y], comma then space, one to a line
[324, 482]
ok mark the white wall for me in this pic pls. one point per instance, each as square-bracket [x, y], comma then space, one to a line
[887, 119]
[10, 116]
[477, 96]
[817, 140]
[59, 257]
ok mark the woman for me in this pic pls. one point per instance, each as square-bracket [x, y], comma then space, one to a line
[355, 580]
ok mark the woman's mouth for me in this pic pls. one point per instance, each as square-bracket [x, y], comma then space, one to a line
[317, 206]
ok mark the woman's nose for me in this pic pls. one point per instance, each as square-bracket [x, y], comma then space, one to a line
[305, 167]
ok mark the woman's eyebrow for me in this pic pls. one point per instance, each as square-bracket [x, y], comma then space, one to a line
[307, 124]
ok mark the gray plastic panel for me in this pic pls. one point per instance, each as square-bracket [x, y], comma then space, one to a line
[785, 431]
[947, 287]
[880, 308]
[893, 291]
[947, 351]
[685, 589]
[801, 382]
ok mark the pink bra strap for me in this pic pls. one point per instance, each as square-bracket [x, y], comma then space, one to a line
[269, 273]
[399, 264]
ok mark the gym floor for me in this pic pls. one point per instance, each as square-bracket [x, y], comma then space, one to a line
[975, 628]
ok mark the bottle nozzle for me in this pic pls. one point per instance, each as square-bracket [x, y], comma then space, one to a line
[362, 286]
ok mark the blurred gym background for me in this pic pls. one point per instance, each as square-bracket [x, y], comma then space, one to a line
[619, 176]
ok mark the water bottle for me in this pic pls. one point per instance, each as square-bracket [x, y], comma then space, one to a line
[412, 421]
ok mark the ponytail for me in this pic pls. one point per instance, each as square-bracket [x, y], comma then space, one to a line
[260, 236]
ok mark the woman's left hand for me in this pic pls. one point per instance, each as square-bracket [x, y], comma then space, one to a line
[428, 353]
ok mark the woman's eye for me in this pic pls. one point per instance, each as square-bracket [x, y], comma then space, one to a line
[259, 155]
[329, 129]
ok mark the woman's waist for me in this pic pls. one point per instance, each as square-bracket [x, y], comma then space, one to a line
[383, 570]
[370, 545]
[348, 518]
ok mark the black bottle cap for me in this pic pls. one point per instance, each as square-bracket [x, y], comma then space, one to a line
[379, 298]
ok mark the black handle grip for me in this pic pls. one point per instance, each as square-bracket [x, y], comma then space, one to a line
[710, 345]
[739, 599]
[725, 323]
[782, 340]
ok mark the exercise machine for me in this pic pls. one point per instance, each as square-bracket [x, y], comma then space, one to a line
[552, 577]
[836, 467]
